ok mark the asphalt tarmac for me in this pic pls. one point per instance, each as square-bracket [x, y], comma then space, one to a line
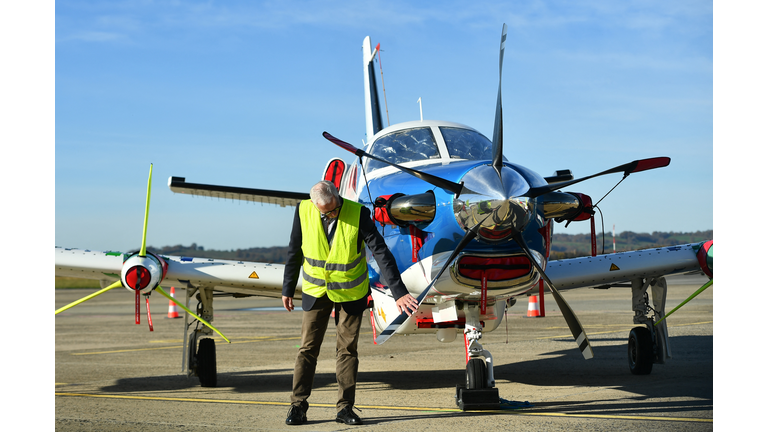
[112, 374]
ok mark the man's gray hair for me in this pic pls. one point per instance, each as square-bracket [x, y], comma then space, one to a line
[323, 193]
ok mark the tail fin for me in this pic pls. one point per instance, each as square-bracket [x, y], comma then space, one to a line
[373, 122]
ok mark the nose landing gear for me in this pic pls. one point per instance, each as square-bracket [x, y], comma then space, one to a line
[479, 392]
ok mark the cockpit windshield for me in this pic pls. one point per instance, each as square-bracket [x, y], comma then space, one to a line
[466, 144]
[404, 146]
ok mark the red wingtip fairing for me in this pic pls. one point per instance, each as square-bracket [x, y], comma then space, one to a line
[704, 255]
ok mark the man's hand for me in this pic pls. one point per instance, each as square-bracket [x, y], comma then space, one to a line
[407, 304]
[288, 303]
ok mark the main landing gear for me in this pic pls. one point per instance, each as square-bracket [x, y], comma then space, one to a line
[200, 348]
[480, 392]
[648, 344]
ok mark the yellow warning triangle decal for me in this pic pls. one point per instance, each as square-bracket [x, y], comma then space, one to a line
[253, 276]
[614, 267]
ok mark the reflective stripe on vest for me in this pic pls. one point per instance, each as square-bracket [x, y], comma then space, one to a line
[339, 270]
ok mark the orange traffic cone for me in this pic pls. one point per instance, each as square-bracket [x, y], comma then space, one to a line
[533, 306]
[172, 312]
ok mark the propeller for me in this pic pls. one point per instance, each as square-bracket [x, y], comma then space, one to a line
[627, 169]
[142, 272]
[699, 291]
[577, 330]
[503, 209]
[498, 128]
[395, 324]
[448, 185]
[170, 297]
[86, 298]
[705, 255]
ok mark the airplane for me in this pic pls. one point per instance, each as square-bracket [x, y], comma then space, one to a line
[470, 230]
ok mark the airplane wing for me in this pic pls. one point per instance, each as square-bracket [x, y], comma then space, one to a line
[235, 277]
[281, 198]
[622, 267]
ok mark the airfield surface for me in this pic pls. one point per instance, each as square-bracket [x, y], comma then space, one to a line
[112, 374]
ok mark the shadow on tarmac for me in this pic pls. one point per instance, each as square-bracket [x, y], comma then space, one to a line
[688, 374]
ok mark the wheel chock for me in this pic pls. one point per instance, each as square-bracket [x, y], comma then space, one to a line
[478, 399]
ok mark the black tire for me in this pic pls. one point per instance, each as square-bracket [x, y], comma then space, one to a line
[206, 362]
[477, 374]
[640, 351]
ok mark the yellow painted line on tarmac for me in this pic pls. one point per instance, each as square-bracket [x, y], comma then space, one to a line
[625, 328]
[616, 417]
[251, 340]
[126, 350]
[396, 408]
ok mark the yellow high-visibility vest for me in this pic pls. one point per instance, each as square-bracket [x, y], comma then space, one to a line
[339, 270]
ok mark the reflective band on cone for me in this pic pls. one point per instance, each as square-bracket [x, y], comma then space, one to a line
[172, 312]
[533, 306]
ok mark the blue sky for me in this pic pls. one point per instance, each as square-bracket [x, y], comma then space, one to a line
[238, 93]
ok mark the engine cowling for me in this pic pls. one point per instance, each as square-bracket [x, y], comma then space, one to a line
[566, 206]
[400, 209]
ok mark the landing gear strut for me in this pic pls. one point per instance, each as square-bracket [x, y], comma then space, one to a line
[479, 393]
[648, 344]
[201, 357]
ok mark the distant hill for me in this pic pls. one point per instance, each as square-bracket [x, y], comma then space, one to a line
[275, 254]
[563, 246]
[576, 245]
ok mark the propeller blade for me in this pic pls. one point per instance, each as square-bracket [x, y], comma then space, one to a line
[627, 169]
[86, 298]
[448, 185]
[699, 291]
[160, 290]
[577, 330]
[143, 251]
[394, 325]
[498, 127]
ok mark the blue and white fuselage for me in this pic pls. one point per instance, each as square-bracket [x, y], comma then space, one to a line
[457, 153]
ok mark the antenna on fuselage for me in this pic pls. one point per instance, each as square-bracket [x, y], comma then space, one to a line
[421, 113]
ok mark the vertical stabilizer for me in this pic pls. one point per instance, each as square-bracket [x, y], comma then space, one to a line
[373, 122]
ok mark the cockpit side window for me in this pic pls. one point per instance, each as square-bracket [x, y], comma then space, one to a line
[467, 144]
[404, 146]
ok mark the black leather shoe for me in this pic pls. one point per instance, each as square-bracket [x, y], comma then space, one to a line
[347, 416]
[296, 416]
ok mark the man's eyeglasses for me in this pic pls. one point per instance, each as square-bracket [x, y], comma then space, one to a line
[328, 214]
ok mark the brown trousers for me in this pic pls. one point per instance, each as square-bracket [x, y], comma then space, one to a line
[313, 327]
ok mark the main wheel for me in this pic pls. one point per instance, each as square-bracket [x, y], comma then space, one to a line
[206, 362]
[477, 374]
[640, 351]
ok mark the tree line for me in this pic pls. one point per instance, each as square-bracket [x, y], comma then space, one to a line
[563, 246]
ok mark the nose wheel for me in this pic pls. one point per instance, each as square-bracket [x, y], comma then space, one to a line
[477, 374]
